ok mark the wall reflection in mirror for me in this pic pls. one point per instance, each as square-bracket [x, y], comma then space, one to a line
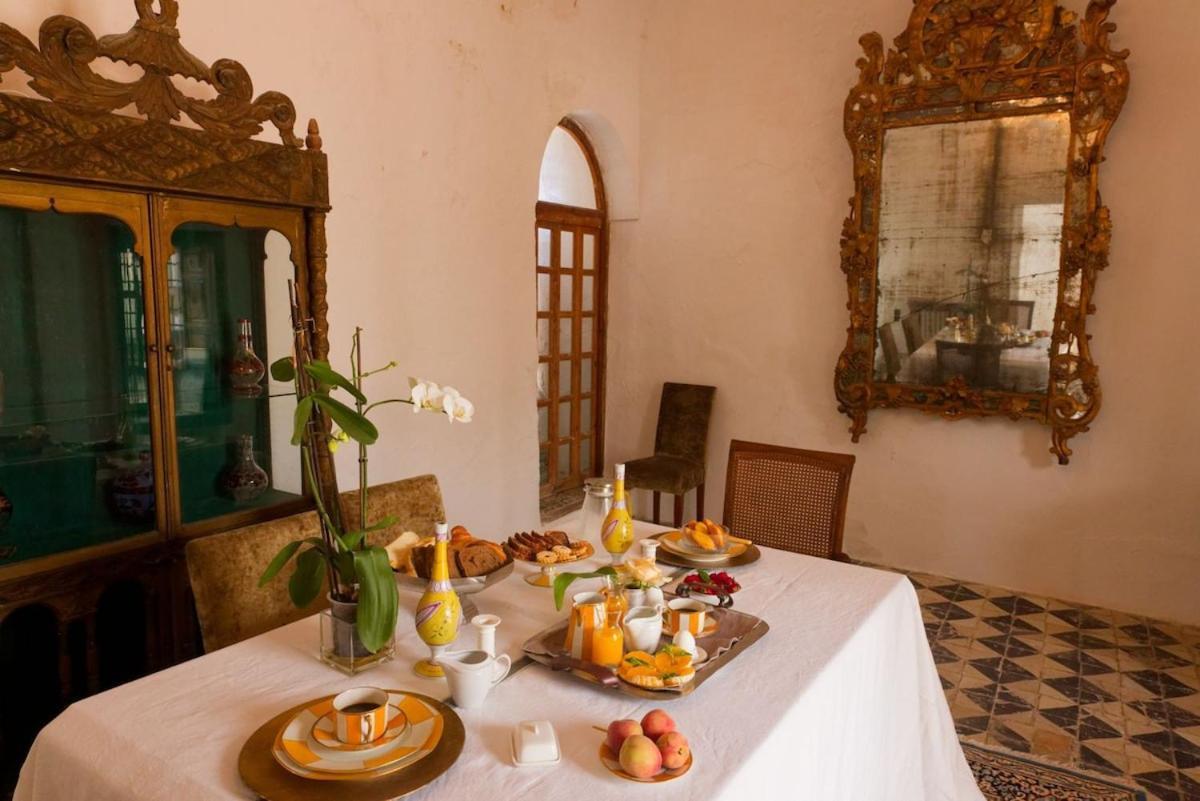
[971, 219]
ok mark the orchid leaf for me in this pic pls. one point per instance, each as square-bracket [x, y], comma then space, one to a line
[378, 598]
[283, 369]
[564, 580]
[322, 372]
[305, 583]
[354, 424]
[282, 558]
[300, 421]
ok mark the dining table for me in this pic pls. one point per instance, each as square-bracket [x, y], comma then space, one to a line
[839, 701]
[1018, 368]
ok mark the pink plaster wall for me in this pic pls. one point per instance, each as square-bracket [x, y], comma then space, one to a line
[732, 279]
[435, 117]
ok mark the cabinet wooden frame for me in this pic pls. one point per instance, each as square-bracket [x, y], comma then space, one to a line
[64, 146]
[960, 61]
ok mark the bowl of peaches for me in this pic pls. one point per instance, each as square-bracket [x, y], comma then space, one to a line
[649, 750]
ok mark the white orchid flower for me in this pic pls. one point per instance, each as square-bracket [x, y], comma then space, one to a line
[425, 395]
[456, 406]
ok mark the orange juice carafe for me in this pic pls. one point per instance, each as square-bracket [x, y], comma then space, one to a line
[617, 532]
[608, 642]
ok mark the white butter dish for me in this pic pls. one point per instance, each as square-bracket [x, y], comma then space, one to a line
[534, 742]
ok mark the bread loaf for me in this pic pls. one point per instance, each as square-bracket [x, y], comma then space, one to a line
[467, 556]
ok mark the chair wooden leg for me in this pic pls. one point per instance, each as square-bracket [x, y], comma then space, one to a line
[678, 511]
[657, 505]
[700, 502]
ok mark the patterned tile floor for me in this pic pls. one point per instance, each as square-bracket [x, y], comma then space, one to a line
[1090, 688]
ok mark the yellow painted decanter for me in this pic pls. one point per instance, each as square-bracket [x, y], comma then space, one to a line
[439, 612]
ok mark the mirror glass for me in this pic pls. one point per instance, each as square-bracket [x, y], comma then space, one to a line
[970, 235]
[230, 319]
[75, 450]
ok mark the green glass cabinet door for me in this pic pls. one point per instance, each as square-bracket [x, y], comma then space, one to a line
[229, 318]
[76, 439]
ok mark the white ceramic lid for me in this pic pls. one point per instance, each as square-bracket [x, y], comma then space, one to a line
[534, 742]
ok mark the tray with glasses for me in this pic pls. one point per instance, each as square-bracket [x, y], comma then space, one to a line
[721, 634]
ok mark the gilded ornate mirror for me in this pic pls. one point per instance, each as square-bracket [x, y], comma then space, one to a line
[976, 229]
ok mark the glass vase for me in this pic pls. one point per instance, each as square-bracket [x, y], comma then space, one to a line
[246, 370]
[245, 481]
[341, 647]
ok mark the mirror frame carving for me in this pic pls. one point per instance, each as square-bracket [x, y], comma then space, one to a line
[961, 60]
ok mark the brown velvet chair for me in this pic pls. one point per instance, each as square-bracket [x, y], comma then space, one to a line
[680, 448]
[415, 502]
[788, 498]
[224, 568]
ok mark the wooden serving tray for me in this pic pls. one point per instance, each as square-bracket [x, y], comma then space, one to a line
[744, 629]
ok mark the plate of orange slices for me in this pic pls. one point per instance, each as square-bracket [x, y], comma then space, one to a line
[704, 541]
[669, 669]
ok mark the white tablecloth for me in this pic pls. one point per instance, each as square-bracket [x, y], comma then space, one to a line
[840, 700]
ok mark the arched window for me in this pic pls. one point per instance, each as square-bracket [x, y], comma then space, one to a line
[571, 237]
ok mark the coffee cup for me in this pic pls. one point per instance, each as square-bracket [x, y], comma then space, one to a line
[360, 715]
[686, 614]
[643, 628]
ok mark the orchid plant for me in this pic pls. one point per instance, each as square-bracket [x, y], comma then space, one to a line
[356, 572]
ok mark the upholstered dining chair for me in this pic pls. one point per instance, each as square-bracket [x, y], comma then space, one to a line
[788, 498]
[224, 568]
[415, 502]
[680, 448]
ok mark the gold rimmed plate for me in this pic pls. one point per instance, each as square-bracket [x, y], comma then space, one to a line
[747, 555]
[677, 543]
[610, 761]
[266, 777]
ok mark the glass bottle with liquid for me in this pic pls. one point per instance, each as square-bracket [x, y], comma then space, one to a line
[608, 642]
[617, 533]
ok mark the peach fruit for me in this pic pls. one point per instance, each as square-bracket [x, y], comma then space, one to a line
[656, 723]
[618, 730]
[674, 749]
[640, 757]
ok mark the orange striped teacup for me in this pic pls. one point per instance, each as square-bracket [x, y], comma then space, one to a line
[686, 614]
[360, 715]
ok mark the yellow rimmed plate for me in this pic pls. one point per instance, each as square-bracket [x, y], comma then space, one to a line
[297, 751]
[610, 761]
[675, 542]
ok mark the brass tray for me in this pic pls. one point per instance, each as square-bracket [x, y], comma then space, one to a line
[265, 776]
[747, 557]
[545, 646]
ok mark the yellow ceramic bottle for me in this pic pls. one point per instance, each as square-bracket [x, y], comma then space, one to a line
[617, 532]
[439, 612]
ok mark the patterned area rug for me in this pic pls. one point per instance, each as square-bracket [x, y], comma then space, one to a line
[1010, 777]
